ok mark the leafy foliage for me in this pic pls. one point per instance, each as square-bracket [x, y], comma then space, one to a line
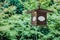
[2, 0]
[3, 36]
[51, 3]
[14, 2]
[14, 26]
[19, 9]
[23, 0]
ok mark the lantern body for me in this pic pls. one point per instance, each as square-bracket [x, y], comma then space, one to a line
[39, 17]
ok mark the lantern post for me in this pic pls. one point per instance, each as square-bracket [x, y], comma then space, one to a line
[39, 16]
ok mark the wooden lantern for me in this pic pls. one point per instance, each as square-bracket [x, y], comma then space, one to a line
[39, 17]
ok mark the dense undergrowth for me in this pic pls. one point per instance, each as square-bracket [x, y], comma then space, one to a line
[15, 22]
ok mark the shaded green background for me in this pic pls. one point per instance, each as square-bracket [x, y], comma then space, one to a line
[15, 23]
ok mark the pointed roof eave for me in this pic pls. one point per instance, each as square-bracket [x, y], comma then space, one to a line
[45, 10]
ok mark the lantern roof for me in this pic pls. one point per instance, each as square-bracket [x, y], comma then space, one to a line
[40, 10]
[44, 10]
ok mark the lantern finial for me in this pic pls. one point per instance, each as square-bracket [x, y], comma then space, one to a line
[38, 4]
